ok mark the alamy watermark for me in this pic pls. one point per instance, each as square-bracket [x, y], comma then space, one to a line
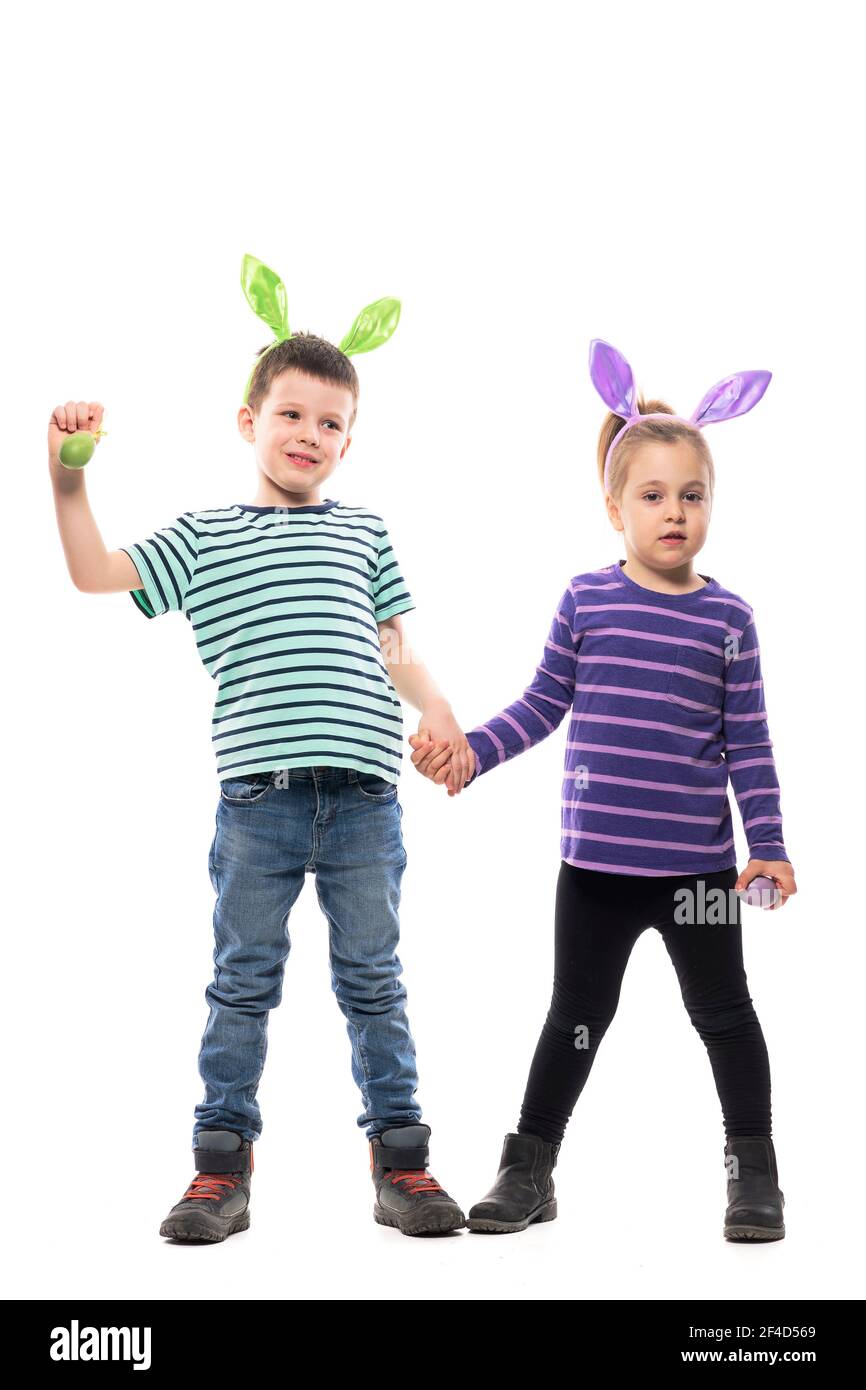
[75, 1343]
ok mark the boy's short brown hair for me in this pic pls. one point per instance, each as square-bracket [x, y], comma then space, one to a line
[306, 353]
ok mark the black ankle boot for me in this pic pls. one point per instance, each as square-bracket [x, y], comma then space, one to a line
[407, 1196]
[755, 1201]
[523, 1191]
[217, 1202]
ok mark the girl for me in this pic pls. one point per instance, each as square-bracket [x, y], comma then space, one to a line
[660, 668]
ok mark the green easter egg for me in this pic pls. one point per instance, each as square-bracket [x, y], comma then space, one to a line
[77, 450]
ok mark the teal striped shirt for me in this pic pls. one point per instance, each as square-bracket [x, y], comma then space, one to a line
[284, 603]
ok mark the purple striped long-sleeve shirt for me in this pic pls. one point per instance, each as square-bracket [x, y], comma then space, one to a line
[666, 700]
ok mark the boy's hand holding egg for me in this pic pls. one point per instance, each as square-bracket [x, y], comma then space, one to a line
[74, 430]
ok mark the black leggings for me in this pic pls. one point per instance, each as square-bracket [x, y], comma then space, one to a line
[599, 917]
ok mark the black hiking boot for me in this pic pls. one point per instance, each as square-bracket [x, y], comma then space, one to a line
[407, 1196]
[216, 1203]
[755, 1201]
[523, 1191]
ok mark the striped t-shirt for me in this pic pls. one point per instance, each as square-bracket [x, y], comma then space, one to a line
[284, 603]
[666, 700]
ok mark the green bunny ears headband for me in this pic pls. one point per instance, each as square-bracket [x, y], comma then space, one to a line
[266, 295]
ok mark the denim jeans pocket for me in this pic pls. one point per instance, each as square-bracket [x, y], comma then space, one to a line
[247, 789]
[372, 787]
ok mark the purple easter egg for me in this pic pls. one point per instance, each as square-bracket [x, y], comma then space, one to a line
[761, 892]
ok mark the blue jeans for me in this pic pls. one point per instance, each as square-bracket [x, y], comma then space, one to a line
[272, 828]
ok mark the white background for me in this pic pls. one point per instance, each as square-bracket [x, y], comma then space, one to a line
[682, 180]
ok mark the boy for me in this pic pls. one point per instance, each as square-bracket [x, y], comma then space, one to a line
[294, 602]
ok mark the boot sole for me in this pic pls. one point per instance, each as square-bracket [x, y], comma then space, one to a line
[746, 1233]
[177, 1230]
[489, 1226]
[431, 1226]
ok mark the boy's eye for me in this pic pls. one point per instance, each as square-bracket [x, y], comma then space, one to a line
[327, 422]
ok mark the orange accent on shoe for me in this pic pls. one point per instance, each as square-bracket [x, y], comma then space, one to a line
[370, 1147]
[203, 1185]
[418, 1179]
[252, 1163]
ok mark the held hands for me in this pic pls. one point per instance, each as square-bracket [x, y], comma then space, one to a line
[442, 751]
[779, 870]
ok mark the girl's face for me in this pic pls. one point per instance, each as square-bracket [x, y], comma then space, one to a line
[666, 490]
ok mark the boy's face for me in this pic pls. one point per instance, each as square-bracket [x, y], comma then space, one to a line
[299, 416]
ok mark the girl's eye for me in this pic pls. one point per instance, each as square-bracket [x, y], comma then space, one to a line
[695, 496]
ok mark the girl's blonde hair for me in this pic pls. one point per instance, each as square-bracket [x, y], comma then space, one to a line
[660, 431]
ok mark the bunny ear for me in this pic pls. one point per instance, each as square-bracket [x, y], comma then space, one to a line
[612, 377]
[373, 327]
[733, 396]
[266, 295]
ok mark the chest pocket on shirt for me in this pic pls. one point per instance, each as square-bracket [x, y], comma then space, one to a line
[697, 680]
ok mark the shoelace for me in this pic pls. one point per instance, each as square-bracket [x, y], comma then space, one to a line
[205, 1184]
[416, 1179]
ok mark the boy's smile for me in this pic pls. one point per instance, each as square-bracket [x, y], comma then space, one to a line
[300, 436]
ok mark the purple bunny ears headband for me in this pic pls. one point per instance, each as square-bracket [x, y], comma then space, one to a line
[613, 380]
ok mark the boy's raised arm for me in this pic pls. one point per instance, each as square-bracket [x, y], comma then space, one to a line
[92, 568]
